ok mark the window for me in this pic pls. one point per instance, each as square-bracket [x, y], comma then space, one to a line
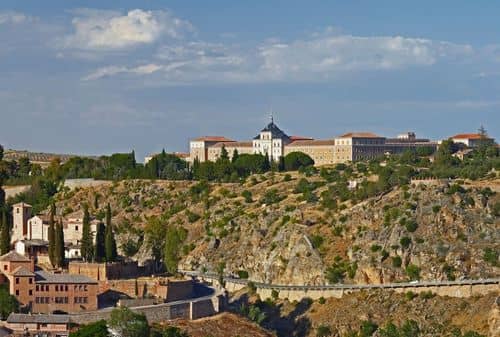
[66, 287]
[17, 280]
[47, 299]
[17, 292]
[76, 228]
[17, 209]
[4, 267]
[37, 299]
[30, 280]
[30, 292]
[37, 288]
[57, 288]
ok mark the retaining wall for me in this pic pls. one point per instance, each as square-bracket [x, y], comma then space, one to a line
[190, 309]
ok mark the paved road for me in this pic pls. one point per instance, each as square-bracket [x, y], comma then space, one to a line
[422, 284]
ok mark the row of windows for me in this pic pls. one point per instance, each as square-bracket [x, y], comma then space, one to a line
[60, 300]
[81, 299]
[30, 280]
[30, 292]
[61, 287]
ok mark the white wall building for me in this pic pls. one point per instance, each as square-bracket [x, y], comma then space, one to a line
[271, 141]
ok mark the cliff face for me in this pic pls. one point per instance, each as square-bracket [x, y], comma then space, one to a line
[265, 228]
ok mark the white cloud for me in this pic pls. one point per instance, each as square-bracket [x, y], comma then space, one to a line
[105, 30]
[326, 56]
[319, 58]
[10, 17]
[113, 70]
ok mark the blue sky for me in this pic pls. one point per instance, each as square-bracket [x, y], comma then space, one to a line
[94, 77]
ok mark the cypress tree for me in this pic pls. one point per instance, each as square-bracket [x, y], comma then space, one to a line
[86, 245]
[236, 155]
[99, 249]
[59, 244]
[109, 242]
[4, 234]
[52, 236]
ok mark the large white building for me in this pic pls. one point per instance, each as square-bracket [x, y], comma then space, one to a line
[271, 141]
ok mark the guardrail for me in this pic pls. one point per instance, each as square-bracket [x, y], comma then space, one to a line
[423, 284]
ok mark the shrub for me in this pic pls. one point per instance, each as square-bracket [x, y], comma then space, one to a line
[96, 329]
[410, 295]
[323, 331]
[367, 329]
[427, 295]
[375, 248]
[317, 241]
[192, 217]
[247, 195]
[491, 256]
[275, 294]
[396, 261]
[405, 242]
[271, 197]
[413, 272]
[243, 274]
[411, 226]
[287, 177]
[436, 209]
[321, 300]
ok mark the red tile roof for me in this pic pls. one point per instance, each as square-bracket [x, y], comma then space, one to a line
[467, 136]
[213, 139]
[318, 142]
[360, 135]
[294, 138]
[13, 256]
[181, 155]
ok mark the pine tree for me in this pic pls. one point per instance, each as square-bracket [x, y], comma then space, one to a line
[266, 165]
[223, 153]
[59, 244]
[236, 155]
[4, 234]
[109, 242]
[52, 236]
[86, 244]
[99, 249]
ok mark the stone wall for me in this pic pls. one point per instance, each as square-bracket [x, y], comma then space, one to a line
[85, 182]
[188, 309]
[457, 290]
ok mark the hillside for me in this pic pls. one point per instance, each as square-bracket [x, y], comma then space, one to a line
[293, 229]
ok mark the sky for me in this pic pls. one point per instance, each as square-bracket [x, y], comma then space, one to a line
[98, 77]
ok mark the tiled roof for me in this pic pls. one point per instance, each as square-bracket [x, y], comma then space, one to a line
[181, 155]
[22, 271]
[13, 256]
[318, 142]
[213, 139]
[27, 318]
[276, 132]
[234, 144]
[360, 135]
[467, 136]
[46, 277]
[294, 138]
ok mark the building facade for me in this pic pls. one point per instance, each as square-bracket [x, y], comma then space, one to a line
[44, 292]
[472, 139]
[273, 142]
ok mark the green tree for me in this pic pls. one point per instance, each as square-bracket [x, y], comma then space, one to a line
[52, 235]
[4, 233]
[59, 245]
[235, 156]
[297, 160]
[155, 238]
[100, 249]
[174, 238]
[87, 249]
[96, 329]
[126, 323]
[8, 303]
[110, 242]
